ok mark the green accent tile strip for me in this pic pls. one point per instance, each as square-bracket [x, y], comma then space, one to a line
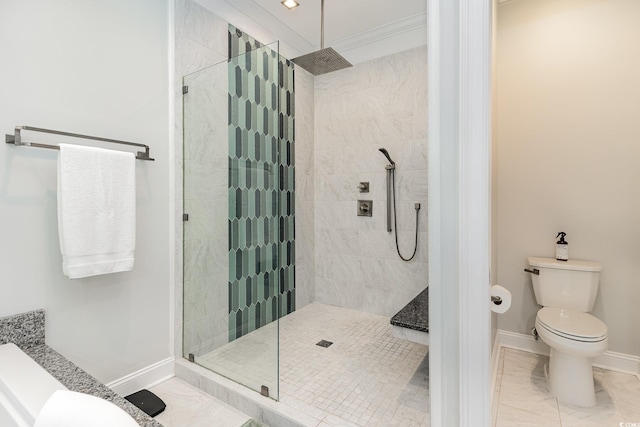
[261, 185]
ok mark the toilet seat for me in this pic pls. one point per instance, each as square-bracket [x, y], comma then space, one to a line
[572, 324]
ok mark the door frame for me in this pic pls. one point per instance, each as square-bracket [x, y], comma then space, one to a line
[459, 138]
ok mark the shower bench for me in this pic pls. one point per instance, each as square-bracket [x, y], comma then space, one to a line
[412, 322]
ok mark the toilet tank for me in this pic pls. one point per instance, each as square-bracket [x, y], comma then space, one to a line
[565, 284]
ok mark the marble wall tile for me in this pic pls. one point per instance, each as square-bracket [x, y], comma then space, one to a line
[304, 185]
[192, 56]
[411, 185]
[408, 276]
[206, 142]
[376, 244]
[344, 242]
[304, 123]
[414, 155]
[340, 293]
[357, 111]
[336, 188]
[304, 221]
[305, 288]
[207, 219]
[198, 24]
[373, 273]
[201, 41]
[205, 179]
[324, 161]
[406, 216]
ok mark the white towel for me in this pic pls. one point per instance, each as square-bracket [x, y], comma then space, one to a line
[96, 210]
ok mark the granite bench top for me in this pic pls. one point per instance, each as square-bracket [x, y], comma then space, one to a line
[414, 315]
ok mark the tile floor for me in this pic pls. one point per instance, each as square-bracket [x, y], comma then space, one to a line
[521, 398]
[367, 377]
[188, 406]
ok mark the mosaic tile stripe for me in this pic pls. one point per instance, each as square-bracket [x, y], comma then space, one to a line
[261, 185]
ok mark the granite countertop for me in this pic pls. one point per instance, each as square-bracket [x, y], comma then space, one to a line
[414, 315]
[75, 379]
[26, 330]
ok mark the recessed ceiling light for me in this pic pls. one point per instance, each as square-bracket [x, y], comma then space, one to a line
[290, 4]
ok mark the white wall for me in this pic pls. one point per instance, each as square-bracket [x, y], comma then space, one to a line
[98, 68]
[380, 103]
[569, 151]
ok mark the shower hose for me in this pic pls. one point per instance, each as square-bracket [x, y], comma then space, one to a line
[395, 221]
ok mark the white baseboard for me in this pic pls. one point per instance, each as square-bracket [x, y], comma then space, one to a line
[612, 360]
[522, 342]
[144, 378]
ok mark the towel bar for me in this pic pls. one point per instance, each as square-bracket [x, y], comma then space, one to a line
[16, 139]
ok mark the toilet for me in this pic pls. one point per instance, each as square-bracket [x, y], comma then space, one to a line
[567, 290]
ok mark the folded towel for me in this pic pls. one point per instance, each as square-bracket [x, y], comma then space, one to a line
[71, 409]
[96, 210]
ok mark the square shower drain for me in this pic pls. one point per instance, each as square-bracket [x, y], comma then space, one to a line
[324, 343]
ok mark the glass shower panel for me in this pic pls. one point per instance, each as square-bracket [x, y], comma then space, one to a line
[231, 157]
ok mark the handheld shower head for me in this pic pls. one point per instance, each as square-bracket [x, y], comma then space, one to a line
[386, 154]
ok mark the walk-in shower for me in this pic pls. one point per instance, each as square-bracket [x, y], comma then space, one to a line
[275, 261]
[391, 205]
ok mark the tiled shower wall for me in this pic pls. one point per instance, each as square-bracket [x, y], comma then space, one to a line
[261, 185]
[305, 203]
[202, 41]
[380, 103]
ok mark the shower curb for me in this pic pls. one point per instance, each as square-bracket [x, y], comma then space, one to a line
[250, 402]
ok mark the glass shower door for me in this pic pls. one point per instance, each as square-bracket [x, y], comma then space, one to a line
[231, 158]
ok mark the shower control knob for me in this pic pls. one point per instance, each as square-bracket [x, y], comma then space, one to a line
[365, 208]
[363, 187]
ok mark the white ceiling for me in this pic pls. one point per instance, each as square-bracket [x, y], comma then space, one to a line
[358, 29]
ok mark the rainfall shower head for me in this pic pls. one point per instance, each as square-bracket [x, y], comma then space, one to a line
[386, 154]
[324, 60]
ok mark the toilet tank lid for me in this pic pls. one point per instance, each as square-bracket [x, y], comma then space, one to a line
[564, 265]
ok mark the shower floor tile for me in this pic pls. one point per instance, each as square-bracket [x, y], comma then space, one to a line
[367, 377]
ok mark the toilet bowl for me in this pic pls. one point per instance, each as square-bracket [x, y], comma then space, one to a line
[575, 339]
[567, 291]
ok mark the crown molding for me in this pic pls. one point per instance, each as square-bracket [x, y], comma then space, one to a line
[388, 38]
[413, 23]
[256, 21]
